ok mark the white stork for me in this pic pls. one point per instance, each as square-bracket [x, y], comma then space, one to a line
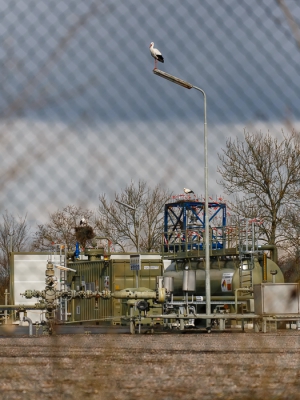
[156, 54]
[187, 191]
[82, 221]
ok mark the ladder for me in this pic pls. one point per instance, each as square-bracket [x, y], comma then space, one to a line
[246, 278]
[248, 250]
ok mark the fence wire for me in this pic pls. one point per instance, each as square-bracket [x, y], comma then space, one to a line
[83, 114]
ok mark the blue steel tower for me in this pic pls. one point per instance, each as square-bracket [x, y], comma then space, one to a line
[184, 225]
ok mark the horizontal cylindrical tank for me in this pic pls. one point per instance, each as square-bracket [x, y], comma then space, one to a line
[224, 276]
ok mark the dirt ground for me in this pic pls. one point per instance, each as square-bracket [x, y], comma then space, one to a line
[191, 365]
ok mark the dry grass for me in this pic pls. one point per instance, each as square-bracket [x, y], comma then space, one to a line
[153, 366]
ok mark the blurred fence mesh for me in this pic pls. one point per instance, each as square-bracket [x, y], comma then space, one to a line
[83, 114]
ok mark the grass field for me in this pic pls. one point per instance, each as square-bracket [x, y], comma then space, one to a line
[194, 365]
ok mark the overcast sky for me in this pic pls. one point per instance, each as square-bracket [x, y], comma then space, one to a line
[82, 112]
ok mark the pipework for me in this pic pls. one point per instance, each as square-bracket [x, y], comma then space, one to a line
[25, 318]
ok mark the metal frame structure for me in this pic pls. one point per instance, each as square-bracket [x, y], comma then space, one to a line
[185, 223]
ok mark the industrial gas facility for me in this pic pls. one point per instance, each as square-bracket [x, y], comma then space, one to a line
[238, 286]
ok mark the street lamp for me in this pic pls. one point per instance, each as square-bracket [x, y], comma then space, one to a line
[136, 214]
[188, 85]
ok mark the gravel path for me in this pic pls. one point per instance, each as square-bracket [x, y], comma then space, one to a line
[231, 365]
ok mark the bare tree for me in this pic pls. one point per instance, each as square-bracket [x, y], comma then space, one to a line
[266, 173]
[61, 229]
[291, 230]
[14, 236]
[125, 227]
[290, 259]
[291, 21]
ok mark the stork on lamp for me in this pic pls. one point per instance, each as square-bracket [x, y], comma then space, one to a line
[156, 54]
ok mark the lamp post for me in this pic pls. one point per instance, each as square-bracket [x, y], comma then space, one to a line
[188, 85]
[136, 214]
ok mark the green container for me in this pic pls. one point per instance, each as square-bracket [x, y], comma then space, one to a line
[113, 273]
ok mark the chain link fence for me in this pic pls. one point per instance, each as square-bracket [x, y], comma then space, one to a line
[82, 112]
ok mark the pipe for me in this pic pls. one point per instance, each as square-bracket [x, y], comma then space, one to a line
[273, 273]
[265, 268]
[30, 324]
[133, 295]
[104, 238]
[214, 298]
[132, 321]
[5, 312]
[65, 277]
[274, 252]
[272, 248]
[22, 307]
[204, 316]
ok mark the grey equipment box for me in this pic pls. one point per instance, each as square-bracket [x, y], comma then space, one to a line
[276, 298]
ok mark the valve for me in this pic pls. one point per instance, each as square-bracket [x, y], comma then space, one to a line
[97, 297]
[142, 305]
[28, 294]
[50, 295]
[106, 294]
